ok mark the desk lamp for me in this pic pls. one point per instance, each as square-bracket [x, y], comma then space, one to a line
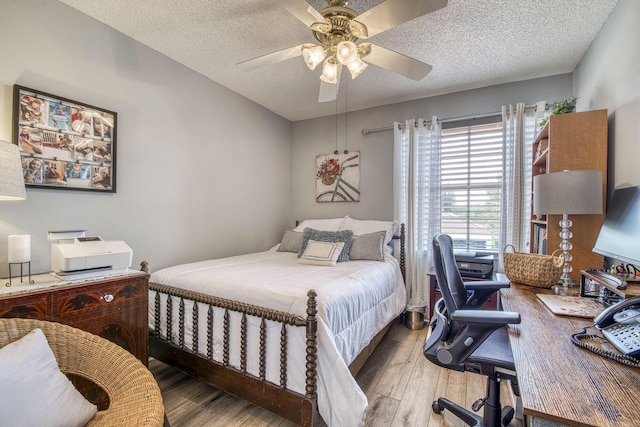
[567, 193]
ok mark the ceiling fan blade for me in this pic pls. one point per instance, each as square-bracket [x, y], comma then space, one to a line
[301, 10]
[329, 91]
[390, 13]
[270, 58]
[397, 62]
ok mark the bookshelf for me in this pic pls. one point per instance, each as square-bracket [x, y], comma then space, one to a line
[573, 141]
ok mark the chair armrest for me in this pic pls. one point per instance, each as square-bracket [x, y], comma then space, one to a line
[481, 291]
[486, 317]
[486, 285]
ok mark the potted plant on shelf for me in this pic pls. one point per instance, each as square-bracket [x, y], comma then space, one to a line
[562, 107]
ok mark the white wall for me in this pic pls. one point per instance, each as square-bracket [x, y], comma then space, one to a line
[201, 171]
[318, 136]
[609, 77]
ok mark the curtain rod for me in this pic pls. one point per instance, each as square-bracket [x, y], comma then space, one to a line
[366, 132]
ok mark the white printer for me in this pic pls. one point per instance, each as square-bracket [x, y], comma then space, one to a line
[87, 257]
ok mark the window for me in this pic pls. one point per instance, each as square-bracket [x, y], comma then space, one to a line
[471, 163]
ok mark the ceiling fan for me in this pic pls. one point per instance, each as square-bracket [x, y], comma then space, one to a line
[338, 28]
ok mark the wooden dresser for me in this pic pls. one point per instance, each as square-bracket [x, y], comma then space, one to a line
[115, 308]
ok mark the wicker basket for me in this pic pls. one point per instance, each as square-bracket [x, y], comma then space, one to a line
[541, 271]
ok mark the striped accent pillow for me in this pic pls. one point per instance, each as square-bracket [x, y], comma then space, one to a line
[321, 253]
[328, 236]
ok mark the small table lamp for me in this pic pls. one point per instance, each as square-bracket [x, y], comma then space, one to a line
[567, 193]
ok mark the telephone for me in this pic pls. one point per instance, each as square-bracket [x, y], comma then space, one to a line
[620, 324]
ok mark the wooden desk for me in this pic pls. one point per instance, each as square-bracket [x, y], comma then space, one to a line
[559, 381]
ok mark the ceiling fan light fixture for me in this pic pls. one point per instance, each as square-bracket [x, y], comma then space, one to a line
[313, 55]
[356, 67]
[330, 71]
[346, 52]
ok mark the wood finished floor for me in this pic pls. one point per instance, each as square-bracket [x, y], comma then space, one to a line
[398, 381]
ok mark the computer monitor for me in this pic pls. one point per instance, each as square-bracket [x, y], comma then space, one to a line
[619, 236]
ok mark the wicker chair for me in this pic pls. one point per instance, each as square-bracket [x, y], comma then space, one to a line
[131, 396]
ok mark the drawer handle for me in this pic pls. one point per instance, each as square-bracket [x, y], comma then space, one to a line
[108, 298]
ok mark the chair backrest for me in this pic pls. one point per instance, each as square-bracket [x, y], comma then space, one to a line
[447, 274]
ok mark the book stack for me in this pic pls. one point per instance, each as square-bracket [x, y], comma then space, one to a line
[539, 239]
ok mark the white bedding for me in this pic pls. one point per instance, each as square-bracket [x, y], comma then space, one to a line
[355, 300]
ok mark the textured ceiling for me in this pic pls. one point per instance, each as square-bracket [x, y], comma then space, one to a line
[469, 43]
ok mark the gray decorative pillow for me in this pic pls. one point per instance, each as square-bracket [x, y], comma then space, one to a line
[291, 242]
[368, 247]
[328, 236]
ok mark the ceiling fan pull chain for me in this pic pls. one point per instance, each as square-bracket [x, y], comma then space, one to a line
[336, 150]
[346, 110]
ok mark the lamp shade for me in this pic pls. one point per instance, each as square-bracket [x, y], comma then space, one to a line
[346, 51]
[19, 248]
[356, 67]
[569, 192]
[11, 180]
[330, 71]
[313, 55]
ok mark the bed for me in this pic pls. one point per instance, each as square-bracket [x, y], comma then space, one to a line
[284, 332]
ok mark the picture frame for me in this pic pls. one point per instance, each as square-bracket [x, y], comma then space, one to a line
[338, 177]
[64, 144]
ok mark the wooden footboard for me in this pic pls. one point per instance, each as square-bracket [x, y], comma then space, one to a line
[277, 398]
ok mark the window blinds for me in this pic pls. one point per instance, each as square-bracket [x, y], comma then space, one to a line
[471, 163]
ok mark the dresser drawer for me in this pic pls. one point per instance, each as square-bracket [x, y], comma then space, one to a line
[95, 301]
[31, 307]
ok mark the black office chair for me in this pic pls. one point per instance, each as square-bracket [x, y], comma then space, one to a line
[472, 340]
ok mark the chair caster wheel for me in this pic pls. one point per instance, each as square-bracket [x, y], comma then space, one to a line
[437, 409]
[507, 415]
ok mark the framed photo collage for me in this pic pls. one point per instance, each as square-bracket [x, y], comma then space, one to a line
[64, 144]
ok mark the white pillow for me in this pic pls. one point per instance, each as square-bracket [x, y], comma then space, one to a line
[331, 224]
[361, 227]
[34, 391]
[321, 253]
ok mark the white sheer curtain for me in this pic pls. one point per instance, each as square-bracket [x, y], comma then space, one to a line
[417, 198]
[520, 127]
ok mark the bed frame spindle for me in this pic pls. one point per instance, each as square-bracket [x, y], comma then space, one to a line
[225, 351]
[169, 334]
[156, 320]
[283, 356]
[194, 323]
[243, 344]
[210, 333]
[181, 324]
[263, 349]
[312, 345]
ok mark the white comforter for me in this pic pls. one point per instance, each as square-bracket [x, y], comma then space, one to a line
[355, 300]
